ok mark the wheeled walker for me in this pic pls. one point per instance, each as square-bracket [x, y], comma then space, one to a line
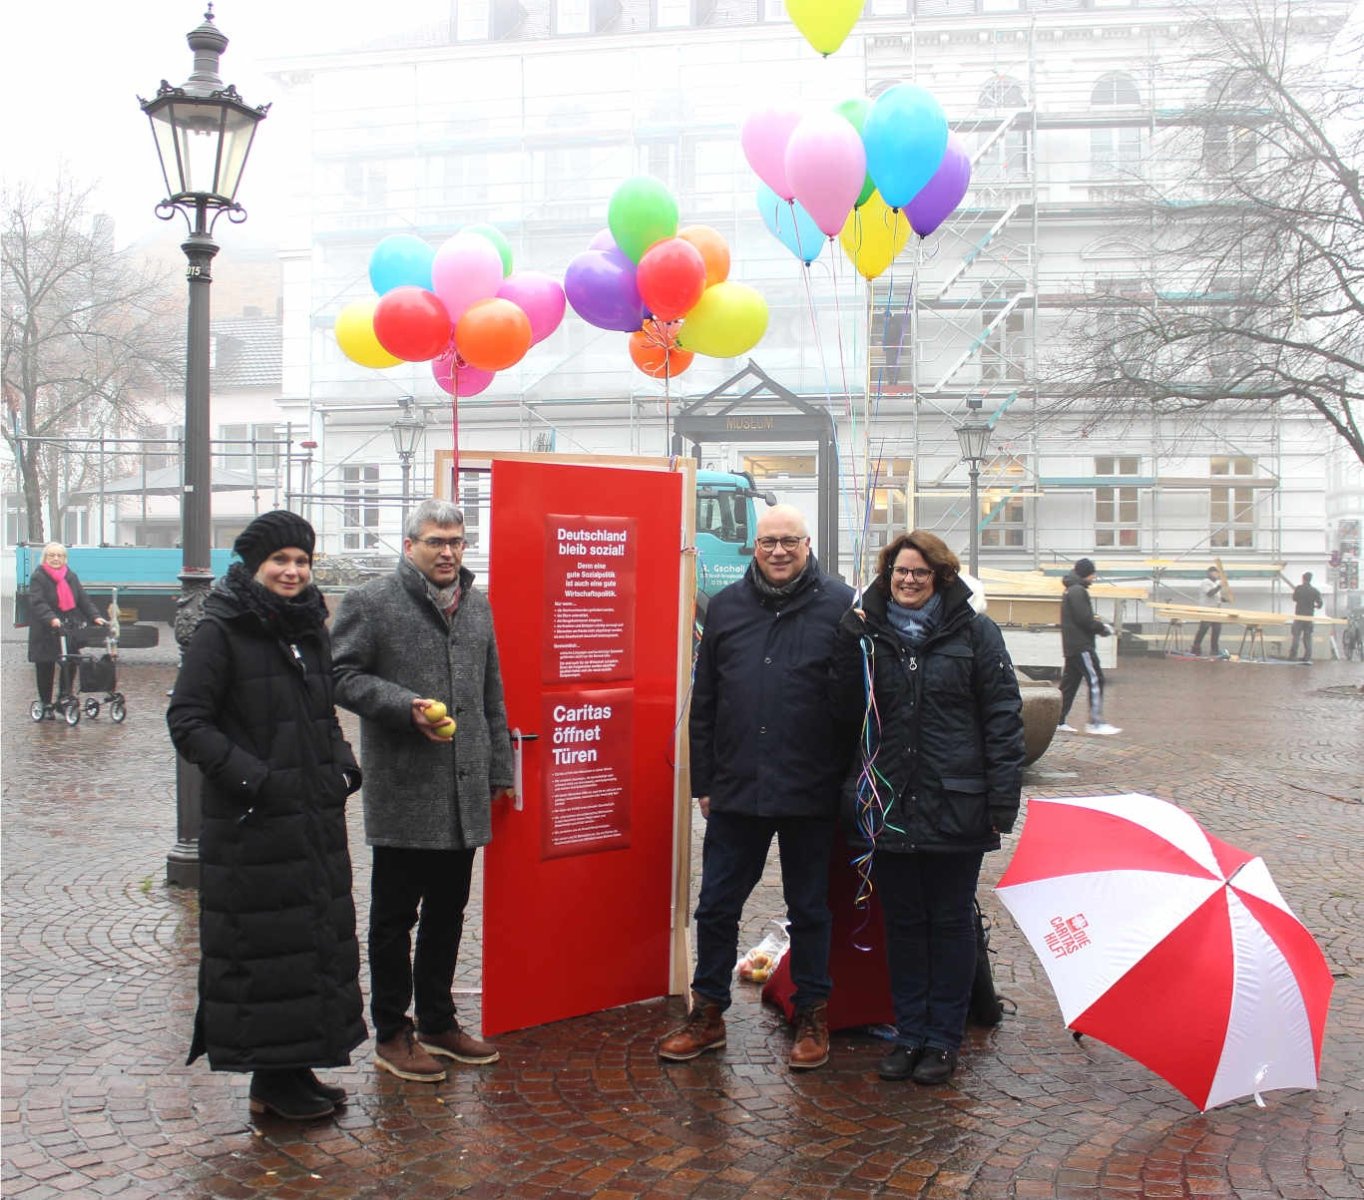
[78, 672]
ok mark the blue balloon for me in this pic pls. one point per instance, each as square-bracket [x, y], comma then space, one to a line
[401, 260]
[905, 134]
[798, 232]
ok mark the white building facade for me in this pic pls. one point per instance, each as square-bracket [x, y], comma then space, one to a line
[528, 115]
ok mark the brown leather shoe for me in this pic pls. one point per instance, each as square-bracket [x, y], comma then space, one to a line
[462, 1047]
[400, 1055]
[704, 1029]
[811, 1047]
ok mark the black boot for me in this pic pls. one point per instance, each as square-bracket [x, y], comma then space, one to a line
[288, 1095]
[328, 1091]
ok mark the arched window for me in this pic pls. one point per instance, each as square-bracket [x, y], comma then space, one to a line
[1115, 139]
[1008, 154]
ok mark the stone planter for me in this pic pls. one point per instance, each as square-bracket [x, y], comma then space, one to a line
[1041, 715]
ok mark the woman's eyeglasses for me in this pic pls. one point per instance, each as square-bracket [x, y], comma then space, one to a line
[918, 574]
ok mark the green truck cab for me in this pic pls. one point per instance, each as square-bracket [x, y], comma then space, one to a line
[726, 520]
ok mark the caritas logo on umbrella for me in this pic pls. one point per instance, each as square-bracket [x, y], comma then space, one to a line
[1170, 945]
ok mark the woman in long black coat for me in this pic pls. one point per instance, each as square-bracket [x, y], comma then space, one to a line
[55, 600]
[939, 781]
[279, 986]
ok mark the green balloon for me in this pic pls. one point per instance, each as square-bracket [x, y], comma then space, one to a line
[500, 244]
[642, 212]
[855, 113]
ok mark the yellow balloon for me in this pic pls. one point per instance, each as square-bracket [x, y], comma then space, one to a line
[873, 235]
[825, 23]
[729, 320]
[355, 336]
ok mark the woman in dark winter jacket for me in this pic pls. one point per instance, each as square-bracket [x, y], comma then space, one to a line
[55, 600]
[938, 782]
[279, 990]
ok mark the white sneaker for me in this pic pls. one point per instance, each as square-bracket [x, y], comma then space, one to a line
[1064, 728]
[1102, 729]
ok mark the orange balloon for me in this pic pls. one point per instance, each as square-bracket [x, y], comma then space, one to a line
[493, 334]
[656, 360]
[714, 251]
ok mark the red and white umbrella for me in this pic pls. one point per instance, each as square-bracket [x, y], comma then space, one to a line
[1170, 945]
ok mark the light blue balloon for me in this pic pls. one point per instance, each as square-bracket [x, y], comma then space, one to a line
[799, 234]
[401, 260]
[905, 135]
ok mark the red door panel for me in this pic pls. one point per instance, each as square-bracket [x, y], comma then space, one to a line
[583, 575]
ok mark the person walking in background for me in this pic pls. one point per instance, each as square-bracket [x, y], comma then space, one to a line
[766, 760]
[423, 636]
[56, 601]
[279, 973]
[946, 737]
[1306, 601]
[1079, 628]
[1209, 596]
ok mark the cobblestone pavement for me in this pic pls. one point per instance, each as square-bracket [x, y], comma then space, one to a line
[99, 971]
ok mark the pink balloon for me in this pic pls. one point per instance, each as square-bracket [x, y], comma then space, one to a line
[825, 166]
[540, 296]
[467, 268]
[764, 137]
[457, 378]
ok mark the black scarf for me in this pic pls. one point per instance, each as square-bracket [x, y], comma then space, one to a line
[289, 618]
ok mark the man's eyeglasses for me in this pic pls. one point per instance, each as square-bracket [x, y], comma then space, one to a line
[918, 574]
[439, 544]
[768, 544]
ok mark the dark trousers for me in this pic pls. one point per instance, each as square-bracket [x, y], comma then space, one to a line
[1302, 631]
[927, 901]
[732, 860]
[1213, 627]
[46, 672]
[1083, 667]
[402, 882]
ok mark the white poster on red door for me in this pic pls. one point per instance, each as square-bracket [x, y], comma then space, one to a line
[589, 598]
[588, 749]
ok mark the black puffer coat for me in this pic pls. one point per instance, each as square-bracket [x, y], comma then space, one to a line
[44, 644]
[950, 741]
[763, 743]
[252, 708]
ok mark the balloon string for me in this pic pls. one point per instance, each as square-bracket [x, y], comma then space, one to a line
[454, 442]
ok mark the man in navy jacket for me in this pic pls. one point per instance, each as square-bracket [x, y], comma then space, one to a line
[766, 759]
[1079, 627]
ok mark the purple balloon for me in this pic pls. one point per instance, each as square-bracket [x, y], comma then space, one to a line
[602, 240]
[938, 198]
[600, 284]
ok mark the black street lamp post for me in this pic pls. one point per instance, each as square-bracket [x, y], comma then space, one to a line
[203, 133]
[974, 437]
[407, 433]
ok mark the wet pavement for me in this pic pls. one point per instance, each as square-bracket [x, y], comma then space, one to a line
[99, 971]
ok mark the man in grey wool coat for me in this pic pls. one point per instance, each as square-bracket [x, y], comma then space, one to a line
[421, 635]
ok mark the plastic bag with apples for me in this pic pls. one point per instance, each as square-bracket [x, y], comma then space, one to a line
[757, 965]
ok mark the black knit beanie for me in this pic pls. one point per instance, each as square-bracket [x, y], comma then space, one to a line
[270, 532]
[1084, 567]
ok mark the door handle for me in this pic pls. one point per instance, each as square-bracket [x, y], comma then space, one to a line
[519, 739]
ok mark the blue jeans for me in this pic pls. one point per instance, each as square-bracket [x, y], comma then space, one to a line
[732, 861]
[928, 902]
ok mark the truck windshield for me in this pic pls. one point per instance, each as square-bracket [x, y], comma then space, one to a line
[723, 515]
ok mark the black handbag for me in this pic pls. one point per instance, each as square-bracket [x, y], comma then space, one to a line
[97, 674]
[987, 1007]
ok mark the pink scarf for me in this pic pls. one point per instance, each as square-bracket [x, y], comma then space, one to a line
[66, 599]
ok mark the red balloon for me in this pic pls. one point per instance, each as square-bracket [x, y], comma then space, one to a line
[671, 277]
[412, 323]
[493, 334]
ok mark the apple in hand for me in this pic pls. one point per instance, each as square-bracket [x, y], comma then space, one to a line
[434, 711]
[446, 728]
